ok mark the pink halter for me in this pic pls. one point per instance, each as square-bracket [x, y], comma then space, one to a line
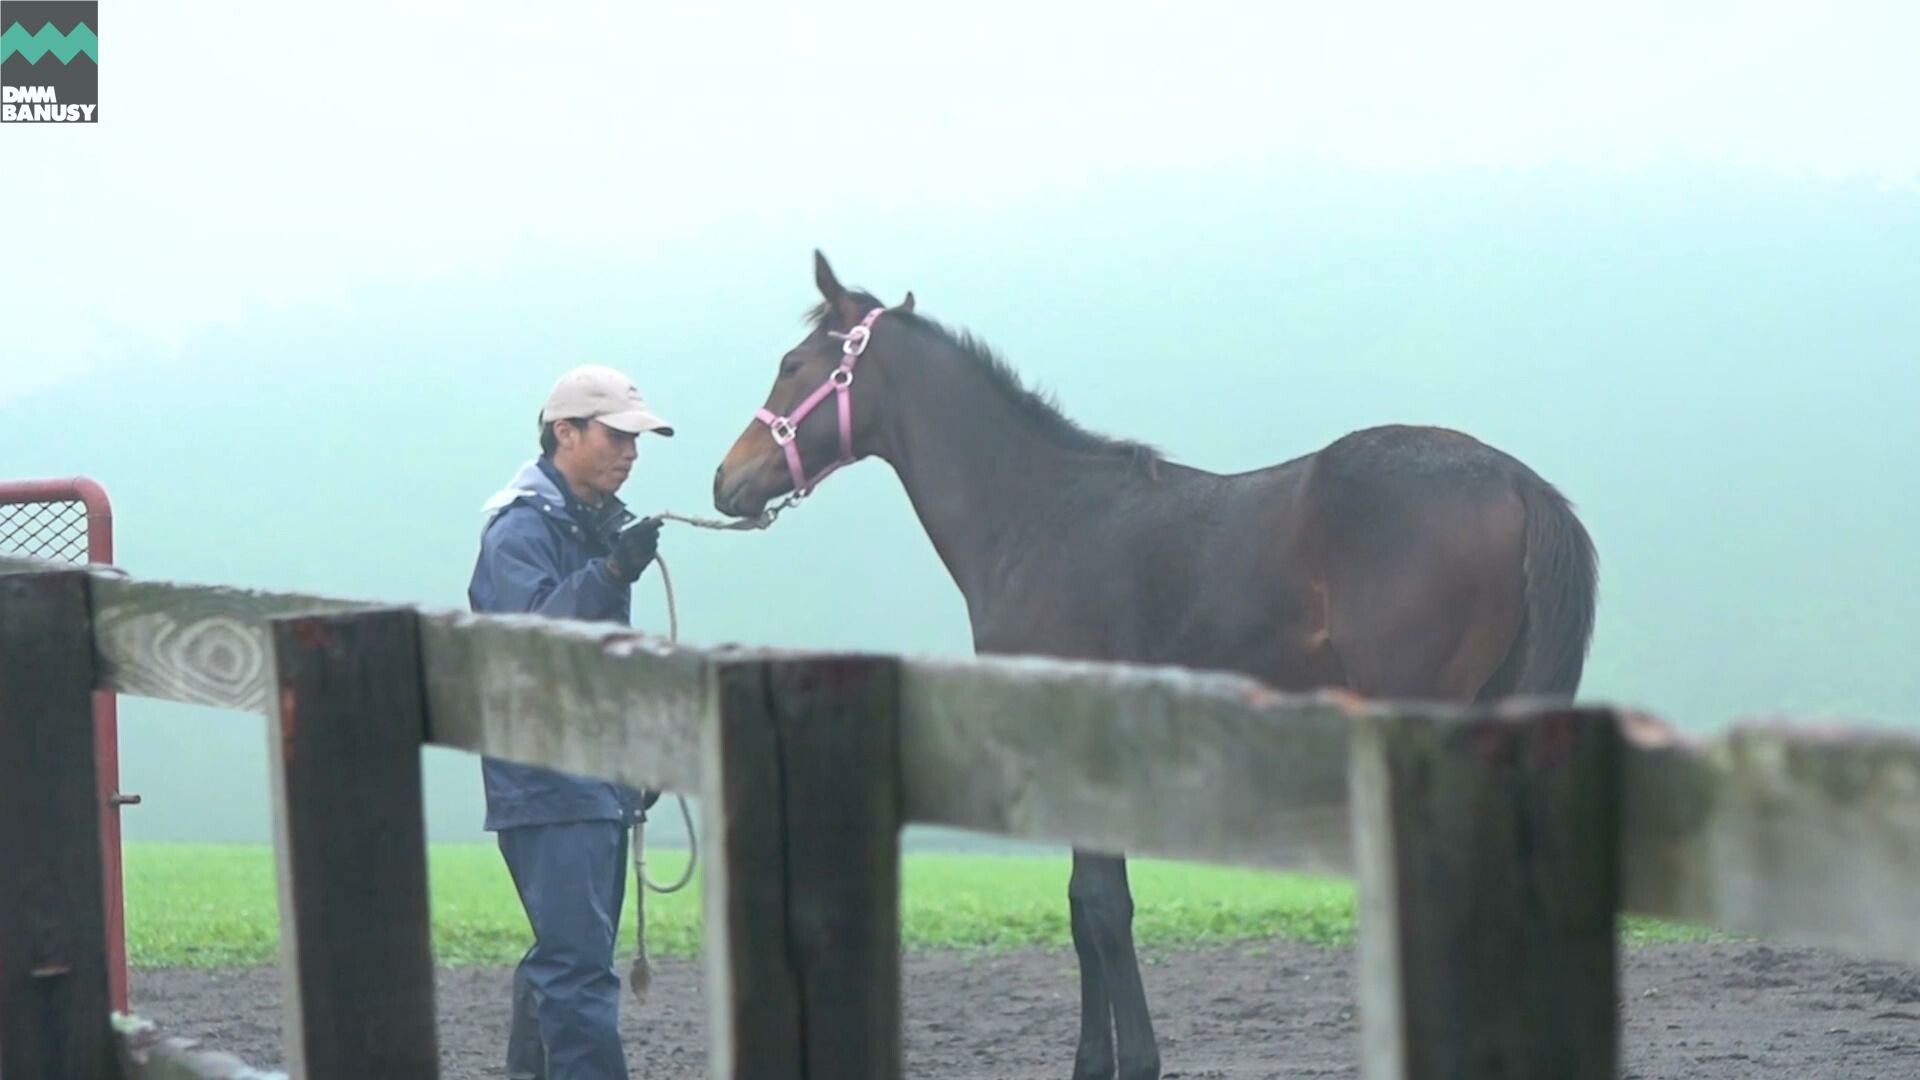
[786, 429]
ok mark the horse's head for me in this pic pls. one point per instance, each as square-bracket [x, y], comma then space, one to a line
[814, 419]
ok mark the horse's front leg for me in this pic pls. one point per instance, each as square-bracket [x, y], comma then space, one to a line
[1093, 1058]
[1102, 898]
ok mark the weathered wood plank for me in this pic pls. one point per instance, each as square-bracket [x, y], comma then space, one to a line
[579, 696]
[356, 947]
[752, 985]
[54, 1000]
[1746, 833]
[146, 1053]
[630, 705]
[1489, 881]
[1786, 831]
[1151, 761]
[198, 644]
[835, 719]
[1666, 796]
[587, 698]
[1143, 761]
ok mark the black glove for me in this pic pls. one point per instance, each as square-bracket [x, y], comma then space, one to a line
[633, 548]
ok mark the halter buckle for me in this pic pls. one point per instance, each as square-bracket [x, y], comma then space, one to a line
[781, 429]
[856, 340]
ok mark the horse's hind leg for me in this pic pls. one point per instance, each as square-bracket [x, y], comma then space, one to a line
[1102, 899]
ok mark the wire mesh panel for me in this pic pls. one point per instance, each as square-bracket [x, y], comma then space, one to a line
[46, 530]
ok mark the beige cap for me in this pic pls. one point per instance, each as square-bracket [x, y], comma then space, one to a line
[593, 392]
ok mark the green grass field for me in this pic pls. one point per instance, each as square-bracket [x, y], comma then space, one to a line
[214, 906]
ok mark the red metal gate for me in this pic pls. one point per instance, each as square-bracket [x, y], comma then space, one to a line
[71, 520]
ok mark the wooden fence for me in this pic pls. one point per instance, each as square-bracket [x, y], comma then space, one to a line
[1493, 849]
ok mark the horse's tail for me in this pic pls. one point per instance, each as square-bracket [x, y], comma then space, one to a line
[1561, 572]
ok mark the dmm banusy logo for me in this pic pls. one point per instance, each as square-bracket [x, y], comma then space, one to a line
[49, 61]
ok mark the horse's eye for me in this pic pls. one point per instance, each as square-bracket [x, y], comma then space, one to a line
[788, 367]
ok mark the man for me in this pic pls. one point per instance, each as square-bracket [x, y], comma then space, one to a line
[554, 544]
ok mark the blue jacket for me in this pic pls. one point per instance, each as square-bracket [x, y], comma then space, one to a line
[542, 551]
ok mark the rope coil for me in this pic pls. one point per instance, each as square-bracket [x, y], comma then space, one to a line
[640, 977]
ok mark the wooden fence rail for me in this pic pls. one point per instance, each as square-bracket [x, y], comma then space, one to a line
[1493, 848]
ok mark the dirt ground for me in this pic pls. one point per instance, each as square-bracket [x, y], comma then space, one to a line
[1699, 1012]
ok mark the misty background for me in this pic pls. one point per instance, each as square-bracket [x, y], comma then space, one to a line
[300, 359]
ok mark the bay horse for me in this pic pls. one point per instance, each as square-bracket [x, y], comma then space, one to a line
[1399, 561]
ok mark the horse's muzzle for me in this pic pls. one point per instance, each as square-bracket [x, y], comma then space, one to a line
[730, 499]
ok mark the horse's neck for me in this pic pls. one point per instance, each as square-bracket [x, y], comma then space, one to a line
[987, 485]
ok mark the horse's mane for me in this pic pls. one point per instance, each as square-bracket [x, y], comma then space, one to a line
[1038, 407]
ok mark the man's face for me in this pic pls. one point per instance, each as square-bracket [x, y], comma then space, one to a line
[594, 457]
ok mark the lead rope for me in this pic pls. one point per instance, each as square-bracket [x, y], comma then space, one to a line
[640, 978]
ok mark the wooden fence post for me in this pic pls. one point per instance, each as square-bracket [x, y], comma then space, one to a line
[356, 942]
[1487, 854]
[802, 813]
[55, 1012]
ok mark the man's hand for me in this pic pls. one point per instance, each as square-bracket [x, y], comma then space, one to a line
[633, 549]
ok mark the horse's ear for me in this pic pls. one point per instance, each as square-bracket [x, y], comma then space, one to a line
[830, 288]
[839, 301]
[906, 306]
